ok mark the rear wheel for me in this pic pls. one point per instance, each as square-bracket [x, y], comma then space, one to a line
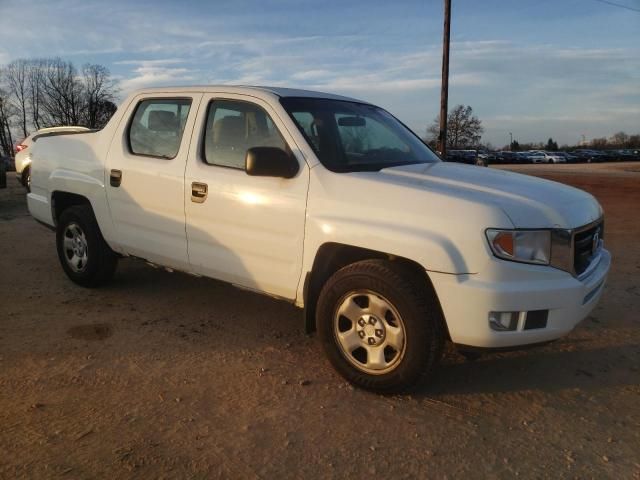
[380, 326]
[84, 255]
[26, 178]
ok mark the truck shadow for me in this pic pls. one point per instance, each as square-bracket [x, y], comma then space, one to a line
[192, 306]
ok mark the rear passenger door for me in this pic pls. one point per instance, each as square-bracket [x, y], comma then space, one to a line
[145, 177]
[243, 229]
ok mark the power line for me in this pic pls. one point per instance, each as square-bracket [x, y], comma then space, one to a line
[619, 5]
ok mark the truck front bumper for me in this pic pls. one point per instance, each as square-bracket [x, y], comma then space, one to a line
[468, 300]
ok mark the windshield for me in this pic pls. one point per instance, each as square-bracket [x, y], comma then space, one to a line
[352, 137]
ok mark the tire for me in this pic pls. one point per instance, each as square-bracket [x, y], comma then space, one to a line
[363, 291]
[84, 255]
[26, 179]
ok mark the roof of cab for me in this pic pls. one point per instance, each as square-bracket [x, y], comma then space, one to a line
[256, 91]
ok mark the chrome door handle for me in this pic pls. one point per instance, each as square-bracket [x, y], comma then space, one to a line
[198, 192]
[115, 178]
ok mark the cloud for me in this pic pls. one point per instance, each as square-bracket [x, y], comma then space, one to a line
[156, 72]
[151, 63]
[371, 51]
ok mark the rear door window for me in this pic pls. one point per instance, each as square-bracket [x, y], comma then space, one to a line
[157, 127]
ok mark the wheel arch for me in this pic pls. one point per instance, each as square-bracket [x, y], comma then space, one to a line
[331, 257]
[73, 188]
[23, 174]
[61, 200]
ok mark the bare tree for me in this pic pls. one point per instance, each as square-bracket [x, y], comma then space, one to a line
[15, 77]
[49, 92]
[6, 112]
[99, 92]
[62, 99]
[619, 139]
[35, 82]
[464, 128]
[104, 112]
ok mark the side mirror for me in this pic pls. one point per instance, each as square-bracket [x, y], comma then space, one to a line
[270, 162]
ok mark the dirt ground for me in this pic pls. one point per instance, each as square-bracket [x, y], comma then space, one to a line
[163, 375]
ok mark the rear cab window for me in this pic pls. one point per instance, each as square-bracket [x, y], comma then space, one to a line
[157, 127]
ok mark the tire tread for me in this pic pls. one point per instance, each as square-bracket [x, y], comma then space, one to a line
[104, 260]
[383, 274]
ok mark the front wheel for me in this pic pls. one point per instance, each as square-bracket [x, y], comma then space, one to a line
[84, 255]
[380, 325]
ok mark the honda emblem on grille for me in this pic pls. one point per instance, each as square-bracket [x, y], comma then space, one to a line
[595, 243]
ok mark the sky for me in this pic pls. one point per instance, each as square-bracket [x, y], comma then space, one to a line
[538, 68]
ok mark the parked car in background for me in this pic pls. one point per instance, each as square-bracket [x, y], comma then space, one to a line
[486, 157]
[470, 157]
[506, 157]
[586, 155]
[607, 155]
[5, 162]
[331, 204]
[554, 157]
[23, 152]
[624, 155]
[536, 157]
[570, 157]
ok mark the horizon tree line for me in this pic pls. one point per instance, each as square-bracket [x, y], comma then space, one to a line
[465, 131]
[47, 92]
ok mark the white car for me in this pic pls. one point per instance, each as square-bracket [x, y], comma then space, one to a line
[537, 157]
[23, 152]
[554, 157]
[334, 205]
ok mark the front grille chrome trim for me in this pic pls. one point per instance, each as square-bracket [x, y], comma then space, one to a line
[563, 249]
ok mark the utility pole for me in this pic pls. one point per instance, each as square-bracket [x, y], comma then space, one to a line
[510, 141]
[444, 93]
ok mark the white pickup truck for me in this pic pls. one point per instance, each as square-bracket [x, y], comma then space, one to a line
[333, 204]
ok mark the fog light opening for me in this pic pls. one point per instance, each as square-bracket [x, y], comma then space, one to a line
[504, 321]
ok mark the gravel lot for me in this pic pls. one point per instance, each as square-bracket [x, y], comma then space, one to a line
[163, 375]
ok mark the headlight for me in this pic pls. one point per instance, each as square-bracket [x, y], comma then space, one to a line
[527, 246]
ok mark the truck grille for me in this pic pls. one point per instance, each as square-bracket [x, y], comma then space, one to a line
[586, 244]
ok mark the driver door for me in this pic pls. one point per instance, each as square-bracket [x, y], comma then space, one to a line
[244, 229]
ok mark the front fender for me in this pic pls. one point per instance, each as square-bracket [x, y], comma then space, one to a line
[432, 250]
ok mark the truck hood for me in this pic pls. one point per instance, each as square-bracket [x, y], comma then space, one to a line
[529, 202]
